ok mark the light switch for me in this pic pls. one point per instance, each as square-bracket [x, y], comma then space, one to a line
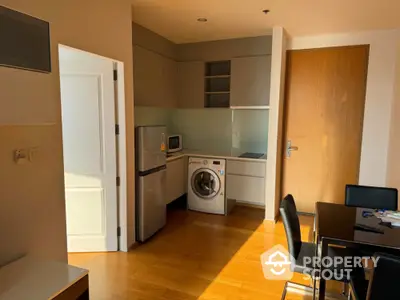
[32, 153]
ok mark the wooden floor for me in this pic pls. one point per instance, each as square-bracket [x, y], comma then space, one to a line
[196, 256]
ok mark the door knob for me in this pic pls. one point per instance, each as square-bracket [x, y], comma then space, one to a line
[290, 148]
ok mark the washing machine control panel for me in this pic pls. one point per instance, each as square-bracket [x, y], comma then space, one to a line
[217, 165]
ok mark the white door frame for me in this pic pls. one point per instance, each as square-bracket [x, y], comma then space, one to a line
[121, 156]
[120, 148]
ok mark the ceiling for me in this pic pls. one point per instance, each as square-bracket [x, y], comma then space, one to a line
[176, 19]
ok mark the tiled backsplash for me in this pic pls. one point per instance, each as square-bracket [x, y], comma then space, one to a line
[145, 116]
[204, 129]
[250, 130]
[220, 130]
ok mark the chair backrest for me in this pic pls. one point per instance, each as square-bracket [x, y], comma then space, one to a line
[384, 281]
[292, 225]
[371, 197]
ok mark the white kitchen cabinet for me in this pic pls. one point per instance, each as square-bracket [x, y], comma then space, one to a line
[245, 181]
[176, 179]
[155, 79]
[246, 189]
[250, 81]
[191, 84]
[248, 168]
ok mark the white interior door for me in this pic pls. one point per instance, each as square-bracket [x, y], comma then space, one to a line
[88, 122]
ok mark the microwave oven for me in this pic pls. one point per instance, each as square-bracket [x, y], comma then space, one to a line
[174, 143]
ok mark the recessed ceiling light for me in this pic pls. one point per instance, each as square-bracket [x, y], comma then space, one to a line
[202, 20]
[266, 11]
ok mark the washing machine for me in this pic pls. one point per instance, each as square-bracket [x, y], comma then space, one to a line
[206, 185]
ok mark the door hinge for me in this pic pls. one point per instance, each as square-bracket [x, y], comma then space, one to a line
[118, 231]
[115, 75]
[116, 129]
[118, 181]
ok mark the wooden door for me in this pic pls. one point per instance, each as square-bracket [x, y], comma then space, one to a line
[250, 81]
[324, 109]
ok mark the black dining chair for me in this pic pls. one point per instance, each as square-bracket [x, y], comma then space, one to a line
[299, 249]
[371, 197]
[383, 283]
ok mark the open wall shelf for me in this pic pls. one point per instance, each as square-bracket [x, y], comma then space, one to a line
[217, 84]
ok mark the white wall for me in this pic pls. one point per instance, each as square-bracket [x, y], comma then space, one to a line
[278, 68]
[393, 175]
[32, 206]
[379, 95]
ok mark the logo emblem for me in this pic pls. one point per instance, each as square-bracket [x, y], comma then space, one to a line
[276, 263]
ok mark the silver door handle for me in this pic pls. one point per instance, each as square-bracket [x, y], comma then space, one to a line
[290, 148]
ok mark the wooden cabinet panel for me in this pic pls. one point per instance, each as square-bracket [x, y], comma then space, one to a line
[248, 168]
[169, 83]
[155, 79]
[147, 77]
[250, 81]
[191, 84]
[176, 179]
[185, 172]
[246, 189]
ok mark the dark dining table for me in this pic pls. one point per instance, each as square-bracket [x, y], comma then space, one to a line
[335, 224]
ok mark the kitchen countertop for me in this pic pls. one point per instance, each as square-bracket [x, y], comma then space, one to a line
[213, 154]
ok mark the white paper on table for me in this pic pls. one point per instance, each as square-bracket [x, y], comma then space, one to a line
[394, 221]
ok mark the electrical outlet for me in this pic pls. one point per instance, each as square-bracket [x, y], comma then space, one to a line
[21, 156]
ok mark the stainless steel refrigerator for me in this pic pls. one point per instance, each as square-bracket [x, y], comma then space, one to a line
[150, 180]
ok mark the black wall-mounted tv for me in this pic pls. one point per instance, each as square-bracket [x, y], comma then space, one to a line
[24, 41]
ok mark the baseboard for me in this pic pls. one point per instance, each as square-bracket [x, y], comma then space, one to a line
[240, 203]
[180, 203]
[277, 217]
[133, 246]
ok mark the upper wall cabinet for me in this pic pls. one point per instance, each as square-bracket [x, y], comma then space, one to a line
[147, 74]
[191, 84]
[169, 82]
[154, 79]
[250, 81]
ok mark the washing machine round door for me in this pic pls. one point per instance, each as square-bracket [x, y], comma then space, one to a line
[205, 183]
